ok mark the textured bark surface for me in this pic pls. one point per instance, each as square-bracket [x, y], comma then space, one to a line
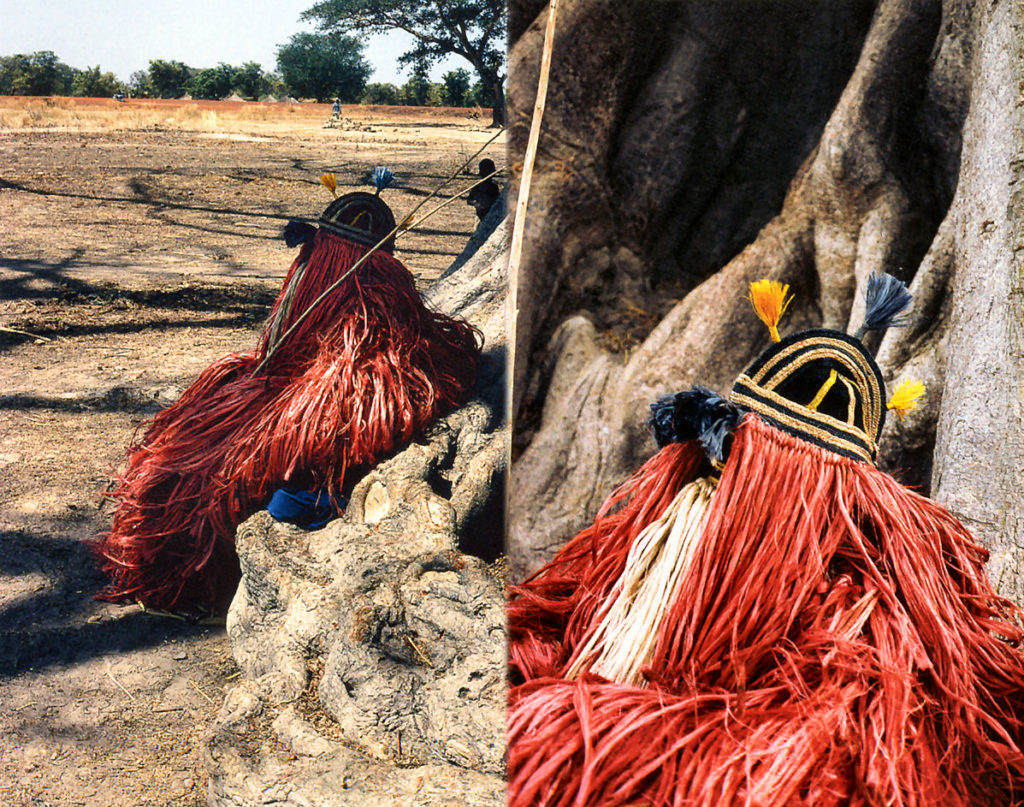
[696, 149]
[979, 449]
[373, 650]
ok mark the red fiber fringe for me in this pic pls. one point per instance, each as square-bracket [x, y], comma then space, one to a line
[550, 614]
[369, 368]
[774, 681]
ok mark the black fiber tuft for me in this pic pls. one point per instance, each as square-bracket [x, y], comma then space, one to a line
[696, 414]
[886, 299]
[296, 232]
[662, 421]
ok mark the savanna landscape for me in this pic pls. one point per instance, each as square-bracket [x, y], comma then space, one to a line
[140, 241]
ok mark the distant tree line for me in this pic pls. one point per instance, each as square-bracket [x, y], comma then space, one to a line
[173, 79]
[454, 89]
[311, 65]
[43, 73]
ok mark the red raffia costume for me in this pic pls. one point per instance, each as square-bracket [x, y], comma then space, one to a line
[795, 628]
[364, 372]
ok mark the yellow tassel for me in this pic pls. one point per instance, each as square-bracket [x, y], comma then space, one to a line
[330, 182]
[769, 300]
[904, 397]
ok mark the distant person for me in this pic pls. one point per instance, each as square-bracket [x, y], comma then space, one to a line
[336, 109]
[484, 195]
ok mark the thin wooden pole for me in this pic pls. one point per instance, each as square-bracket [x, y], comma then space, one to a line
[519, 225]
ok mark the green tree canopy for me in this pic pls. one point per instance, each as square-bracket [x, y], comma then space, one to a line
[275, 85]
[324, 66]
[40, 73]
[476, 96]
[455, 87]
[416, 91]
[250, 81]
[213, 83]
[472, 29]
[139, 84]
[94, 83]
[379, 93]
[169, 79]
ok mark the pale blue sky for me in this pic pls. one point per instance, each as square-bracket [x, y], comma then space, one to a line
[123, 35]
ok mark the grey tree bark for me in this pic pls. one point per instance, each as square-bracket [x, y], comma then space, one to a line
[690, 148]
[373, 650]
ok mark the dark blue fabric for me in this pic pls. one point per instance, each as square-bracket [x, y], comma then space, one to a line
[309, 509]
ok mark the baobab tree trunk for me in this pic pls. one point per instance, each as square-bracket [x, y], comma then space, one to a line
[498, 108]
[492, 84]
[689, 148]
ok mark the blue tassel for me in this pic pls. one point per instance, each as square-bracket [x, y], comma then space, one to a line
[886, 299]
[296, 232]
[382, 178]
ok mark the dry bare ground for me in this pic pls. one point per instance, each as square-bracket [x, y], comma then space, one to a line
[139, 242]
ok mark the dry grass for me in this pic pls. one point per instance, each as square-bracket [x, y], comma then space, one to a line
[104, 115]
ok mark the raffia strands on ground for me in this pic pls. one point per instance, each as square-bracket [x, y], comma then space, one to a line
[834, 641]
[363, 374]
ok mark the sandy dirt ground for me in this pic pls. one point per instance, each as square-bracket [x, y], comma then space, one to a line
[138, 242]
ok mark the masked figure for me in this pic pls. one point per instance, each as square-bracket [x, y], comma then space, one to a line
[760, 616]
[313, 407]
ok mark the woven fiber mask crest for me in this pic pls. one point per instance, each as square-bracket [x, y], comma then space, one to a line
[361, 217]
[822, 386]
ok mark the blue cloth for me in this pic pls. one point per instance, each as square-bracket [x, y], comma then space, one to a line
[309, 509]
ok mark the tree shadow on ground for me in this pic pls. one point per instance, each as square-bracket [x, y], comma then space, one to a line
[414, 251]
[23, 283]
[115, 399]
[428, 231]
[240, 304]
[143, 196]
[8, 339]
[51, 627]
